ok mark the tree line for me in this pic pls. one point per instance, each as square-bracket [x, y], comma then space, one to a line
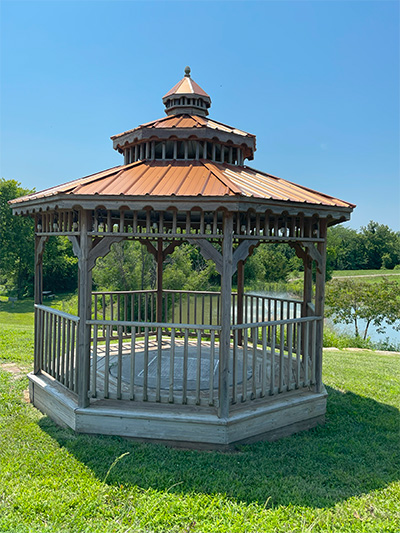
[129, 266]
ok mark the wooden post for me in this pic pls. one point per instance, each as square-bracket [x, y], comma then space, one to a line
[38, 298]
[226, 295]
[319, 305]
[240, 291]
[160, 258]
[84, 306]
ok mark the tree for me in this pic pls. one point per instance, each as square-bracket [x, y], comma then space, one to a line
[16, 242]
[348, 301]
[127, 267]
[60, 266]
[380, 242]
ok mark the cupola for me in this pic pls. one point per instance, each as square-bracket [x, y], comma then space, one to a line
[187, 97]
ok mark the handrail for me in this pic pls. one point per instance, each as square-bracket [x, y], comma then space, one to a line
[276, 322]
[62, 314]
[151, 324]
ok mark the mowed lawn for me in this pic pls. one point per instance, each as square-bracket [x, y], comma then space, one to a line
[341, 477]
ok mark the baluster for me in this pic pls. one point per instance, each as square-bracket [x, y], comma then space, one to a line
[313, 350]
[254, 364]
[234, 365]
[298, 353]
[281, 357]
[133, 361]
[264, 360]
[185, 366]
[272, 380]
[172, 367]
[94, 362]
[159, 361]
[67, 356]
[244, 370]
[107, 361]
[74, 366]
[146, 364]
[198, 367]
[305, 356]
[289, 348]
[212, 357]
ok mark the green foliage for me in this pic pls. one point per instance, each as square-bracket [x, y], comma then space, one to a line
[60, 266]
[350, 300]
[16, 242]
[185, 269]
[374, 246]
[128, 267]
[270, 263]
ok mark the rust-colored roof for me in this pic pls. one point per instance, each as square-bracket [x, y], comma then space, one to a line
[186, 121]
[188, 178]
[186, 86]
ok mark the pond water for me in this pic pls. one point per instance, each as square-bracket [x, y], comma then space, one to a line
[390, 332]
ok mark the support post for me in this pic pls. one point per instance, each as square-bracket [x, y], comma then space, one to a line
[38, 298]
[319, 305]
[160, 258]
[226, 295]
[240, 292]
[84, 305]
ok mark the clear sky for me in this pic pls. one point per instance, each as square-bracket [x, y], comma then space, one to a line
[316, 81]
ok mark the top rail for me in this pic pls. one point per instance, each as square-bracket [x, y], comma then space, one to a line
[276, 322]
[56, 312]
[114, 323]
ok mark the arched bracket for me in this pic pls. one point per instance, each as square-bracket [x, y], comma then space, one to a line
[208, 251]
[308, 252]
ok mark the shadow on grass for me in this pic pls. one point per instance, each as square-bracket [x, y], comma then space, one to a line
[355, 452]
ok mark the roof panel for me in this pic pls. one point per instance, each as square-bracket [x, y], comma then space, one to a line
[188, 178]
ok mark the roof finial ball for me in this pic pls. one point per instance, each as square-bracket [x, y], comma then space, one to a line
[187, 72]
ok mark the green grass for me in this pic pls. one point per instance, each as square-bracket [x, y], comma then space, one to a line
[341, 477]
[370, 275]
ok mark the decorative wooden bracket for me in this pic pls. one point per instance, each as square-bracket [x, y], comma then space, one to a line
[76, 248]
[40, 249]
[242, 252]
[309, 252]
[168, 250]
[101, 249]
[208, 251]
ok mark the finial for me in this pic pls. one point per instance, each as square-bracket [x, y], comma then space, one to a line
[187, 72]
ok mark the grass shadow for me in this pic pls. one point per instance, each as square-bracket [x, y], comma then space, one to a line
[355, 452]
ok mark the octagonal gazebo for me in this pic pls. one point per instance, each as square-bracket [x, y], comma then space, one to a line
[192, 368]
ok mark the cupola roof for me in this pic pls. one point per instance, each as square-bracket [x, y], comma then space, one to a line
[187, 97]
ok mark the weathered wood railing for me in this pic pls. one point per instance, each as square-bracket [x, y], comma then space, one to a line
[55, 345]
[153, 366]
[259, 307]
[134, 357]
[273, 357]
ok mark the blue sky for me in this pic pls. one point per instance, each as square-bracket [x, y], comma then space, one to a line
[316, 81]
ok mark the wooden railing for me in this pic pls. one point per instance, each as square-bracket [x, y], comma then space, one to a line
[134, 357]
[273, 357]
[259, 308]
[55, 345]
[159, 363]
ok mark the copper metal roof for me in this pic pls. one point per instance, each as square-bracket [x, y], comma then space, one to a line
[186, 121]
[189, 179]
[186, 86]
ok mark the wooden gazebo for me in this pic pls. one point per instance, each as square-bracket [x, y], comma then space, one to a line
[199, 368]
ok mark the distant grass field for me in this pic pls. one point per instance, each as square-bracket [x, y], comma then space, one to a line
[340, 477]
[372, 274]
